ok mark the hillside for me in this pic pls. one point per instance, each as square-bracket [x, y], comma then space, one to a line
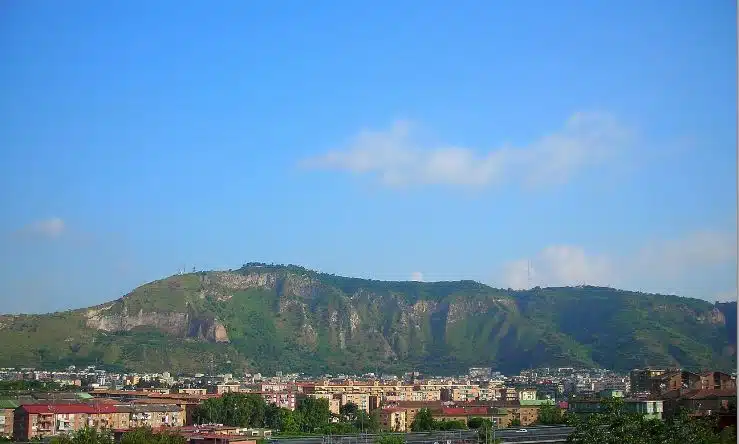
[267, 318]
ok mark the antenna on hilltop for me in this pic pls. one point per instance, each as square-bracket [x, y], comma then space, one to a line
[528, 273]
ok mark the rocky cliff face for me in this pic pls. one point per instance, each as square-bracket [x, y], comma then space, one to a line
[170, 323]
[209, 329]
[184, 325]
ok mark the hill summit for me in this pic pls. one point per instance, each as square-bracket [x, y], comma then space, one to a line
[265, 317]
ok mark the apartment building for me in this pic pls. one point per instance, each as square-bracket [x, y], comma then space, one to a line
[641, 380]
[364, 401]
[460, 393]
[457, 413]
[45, 420]
[192, 391]
[412, 393]
[384, 392]
[507, 394]
[393, 419]
[526, 394]
[286, 400]
[220, 389]
[183, 416]
[504, 413]
[152, 415]
[413, 407]
[701, 401]
[7, 407]
[717, 381]
[276, 387]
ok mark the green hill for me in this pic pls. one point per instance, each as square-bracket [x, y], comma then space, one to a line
[267, 318]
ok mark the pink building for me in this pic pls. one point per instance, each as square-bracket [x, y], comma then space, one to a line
[280, 399]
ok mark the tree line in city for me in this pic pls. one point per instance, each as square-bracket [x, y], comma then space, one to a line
[9, 388]
[312, 416]
[614, 425]
[141, 435]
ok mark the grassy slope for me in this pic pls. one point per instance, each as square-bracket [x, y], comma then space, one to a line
[557, 326]
[627, 329]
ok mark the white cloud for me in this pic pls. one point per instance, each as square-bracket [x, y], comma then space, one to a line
[417, 276]
[397, 159]
[658, 267]
[51, 228]
[559, 265]
[672, 258]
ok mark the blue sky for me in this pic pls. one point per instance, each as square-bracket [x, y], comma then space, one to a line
[592, 141]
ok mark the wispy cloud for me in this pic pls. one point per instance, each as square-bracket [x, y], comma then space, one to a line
[726, 296]
[417, 276]
[655, 267]
[50, 228]
[559, 265]
[672, 258]
[396, 158]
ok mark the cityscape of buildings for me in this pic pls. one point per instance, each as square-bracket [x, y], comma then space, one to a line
[120, 402]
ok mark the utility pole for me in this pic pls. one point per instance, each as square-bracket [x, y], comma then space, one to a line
[492, 425]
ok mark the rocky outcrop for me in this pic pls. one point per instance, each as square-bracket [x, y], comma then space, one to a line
[238, 281]
[173, 323]
[713, 317]
[461, 309]
[221, 285]
[209, 329]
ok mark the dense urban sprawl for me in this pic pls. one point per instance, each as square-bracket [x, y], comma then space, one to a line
[226, 408]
